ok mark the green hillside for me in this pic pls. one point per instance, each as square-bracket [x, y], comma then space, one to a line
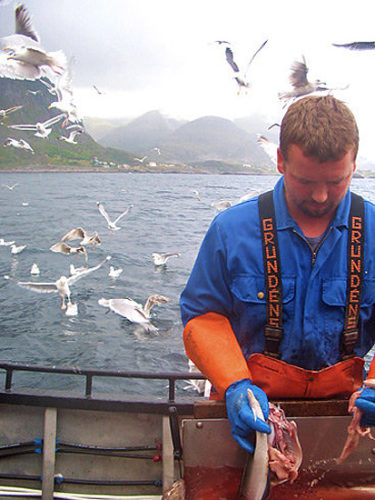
[49, 151]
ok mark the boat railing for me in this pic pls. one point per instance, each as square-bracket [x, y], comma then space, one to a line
[87, 399]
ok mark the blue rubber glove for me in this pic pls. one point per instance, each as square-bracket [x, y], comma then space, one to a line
[241, 416]
[366, 403]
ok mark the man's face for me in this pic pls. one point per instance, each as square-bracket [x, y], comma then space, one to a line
[314, 189]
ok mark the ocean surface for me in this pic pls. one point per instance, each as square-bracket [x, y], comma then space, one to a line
[166, 217]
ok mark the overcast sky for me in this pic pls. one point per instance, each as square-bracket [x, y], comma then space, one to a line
[159, 54]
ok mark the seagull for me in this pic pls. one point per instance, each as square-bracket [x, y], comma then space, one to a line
[18, 143]
[62, 247]
[160, 259]
[100, 92]
[5, 112]
[356, 45]
[33, 92]
[196, 194]
[14, 249]
[11, 187]
[25, 47]
[112, 225]
[65, 101]
[41, 129]
[74, 270]
[133, 311]
[200, 385]
[114, 273]
[73, 134]
[248, 196]
[300, 83]
[157, 150]
[221, 205]
[61, 285]
[269, 147]
[34, 269]
[78, 233]
[241, 79]
[141, 160]
[6, 243]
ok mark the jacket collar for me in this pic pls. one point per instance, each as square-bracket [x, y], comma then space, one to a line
[285, 221]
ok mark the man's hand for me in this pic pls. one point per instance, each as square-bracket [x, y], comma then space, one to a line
[241, 417]
[366, 403]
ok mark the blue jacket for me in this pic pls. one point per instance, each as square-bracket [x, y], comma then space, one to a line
[228, 275]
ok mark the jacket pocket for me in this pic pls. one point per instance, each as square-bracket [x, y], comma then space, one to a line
[334, 292]
[251, 288]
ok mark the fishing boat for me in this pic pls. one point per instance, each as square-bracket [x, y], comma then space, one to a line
[88, 445]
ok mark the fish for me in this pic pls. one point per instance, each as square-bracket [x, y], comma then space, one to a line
[355, 430]
[277, 457]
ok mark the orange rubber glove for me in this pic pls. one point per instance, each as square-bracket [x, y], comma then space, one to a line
[212, 346]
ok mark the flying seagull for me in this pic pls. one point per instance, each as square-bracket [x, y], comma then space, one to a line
[61, 285]
[269, 147]
[11, 187]
[134, 312]
[356, 45]
[62, 247]
[71, 139]
[5, 112]
[160, 259]
[301, 85]
[112, 224]
[18, 143]
[78, 233]
[65, 100]
[41, 129]
[24, 47]
[241, 79]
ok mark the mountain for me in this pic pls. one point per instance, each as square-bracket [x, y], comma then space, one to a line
[213, 138]
[144, 133]
[49, 151]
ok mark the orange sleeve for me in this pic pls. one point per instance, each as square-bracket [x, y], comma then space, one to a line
[371, 372]
[212, 346]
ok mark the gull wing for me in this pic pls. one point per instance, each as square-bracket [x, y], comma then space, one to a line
[23, 126]
[123, 213]
[298, 77]
[53, 120]
[104, 213]
[77, 233]
[35, 286]
[356, 45]
[24, 25]
[269, 147]
[81, 274]
[13, 109]
[255, 53]
[230, 60]
[60, 247]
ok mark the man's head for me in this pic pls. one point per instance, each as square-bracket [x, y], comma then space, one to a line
[318, 147]
[324, 128]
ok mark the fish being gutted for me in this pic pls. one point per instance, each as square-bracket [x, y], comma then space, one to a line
[355, 431]
[279, 453]
[284, 448]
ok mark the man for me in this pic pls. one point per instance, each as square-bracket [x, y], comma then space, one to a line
[281, 297]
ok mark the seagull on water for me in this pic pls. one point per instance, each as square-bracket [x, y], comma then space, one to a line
[241, 80]
[61, 285]
[78, 233]
[134, 312]
[34, 269]
[18, 143]
[196, 194]
[114, 273]
[6, 243]
[160, 259]
[41, 129]
[221, 205]
[14, 249]
[112, 224]
[62, 247]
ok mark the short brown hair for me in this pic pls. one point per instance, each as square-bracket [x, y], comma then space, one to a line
[322, 126]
